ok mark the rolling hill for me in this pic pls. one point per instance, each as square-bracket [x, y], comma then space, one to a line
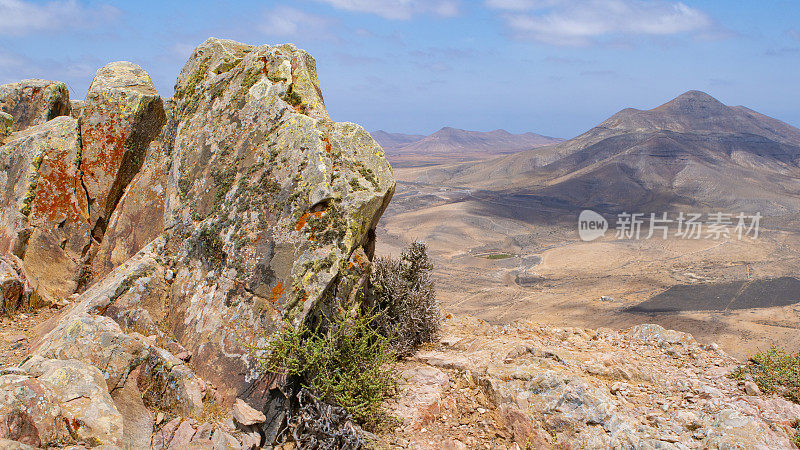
[450, 145]
[393, 141]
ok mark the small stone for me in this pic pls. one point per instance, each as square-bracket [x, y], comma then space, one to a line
[184, 356]
[246, 415]
[159, 418]
[750, 388]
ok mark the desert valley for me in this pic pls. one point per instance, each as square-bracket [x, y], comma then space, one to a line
[504, 228]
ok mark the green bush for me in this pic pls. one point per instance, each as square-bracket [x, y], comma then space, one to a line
[403, 291]
[774, 371]
[349, 364]
[348, 359]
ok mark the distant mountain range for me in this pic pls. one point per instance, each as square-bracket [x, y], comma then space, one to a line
[692, 151]
[453, 141]
[393, 141]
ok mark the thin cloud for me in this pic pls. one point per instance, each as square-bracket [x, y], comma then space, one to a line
[584, 22]
[398, 9]
[567, 61]
[290, 22]
[19, 17]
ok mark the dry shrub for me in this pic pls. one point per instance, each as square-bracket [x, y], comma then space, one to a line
[403, 292]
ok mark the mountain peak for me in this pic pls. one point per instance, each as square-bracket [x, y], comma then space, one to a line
[693, 103]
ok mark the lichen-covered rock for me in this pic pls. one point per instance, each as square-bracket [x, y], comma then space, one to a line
[96, 340]
[44, 211]
[86, 406]
[6, 124]
[77, 108]
[166, 382]
[138, 217]
[14, 445]
[269, 205]
[34, 102]
[30, 412]
[122, 113]
[55, 402]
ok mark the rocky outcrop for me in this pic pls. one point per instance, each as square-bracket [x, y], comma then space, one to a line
[6, 124]
[49, 402]
[265, 203]
[16, 292]
[44, 212]
[250, 206]
[121, 115]
[541, 387]
[61, 176]
[34, 102]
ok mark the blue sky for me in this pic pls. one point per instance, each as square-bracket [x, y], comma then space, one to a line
[555, 67]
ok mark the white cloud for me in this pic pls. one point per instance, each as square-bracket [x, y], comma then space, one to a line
[398, 9]
[582, 22]
[290, 22]
[18, 17]
[520, 5]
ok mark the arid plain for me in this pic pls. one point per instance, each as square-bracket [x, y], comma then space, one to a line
[501, 268]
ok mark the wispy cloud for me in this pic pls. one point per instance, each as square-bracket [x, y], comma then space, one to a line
[584, 22]
[793, 33]
[18, 17]
[398, 9]
[567, 61]
[290, 22]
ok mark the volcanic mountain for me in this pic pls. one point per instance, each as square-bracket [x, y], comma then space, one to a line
[693, 151]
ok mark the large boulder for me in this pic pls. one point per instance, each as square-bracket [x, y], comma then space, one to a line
[269, 207]
[122, 113]
[48, 403]
[98, 341]
[34, 102]
[85, 402]
[44, 212]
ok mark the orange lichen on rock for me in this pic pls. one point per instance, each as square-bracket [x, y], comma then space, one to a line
[302, 222]
[277, 293]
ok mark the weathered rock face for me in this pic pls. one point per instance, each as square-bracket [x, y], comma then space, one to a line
[16, 292]
[121, 115]
[44, 215]
[60, 179]
[34, 102]
[267, 202]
